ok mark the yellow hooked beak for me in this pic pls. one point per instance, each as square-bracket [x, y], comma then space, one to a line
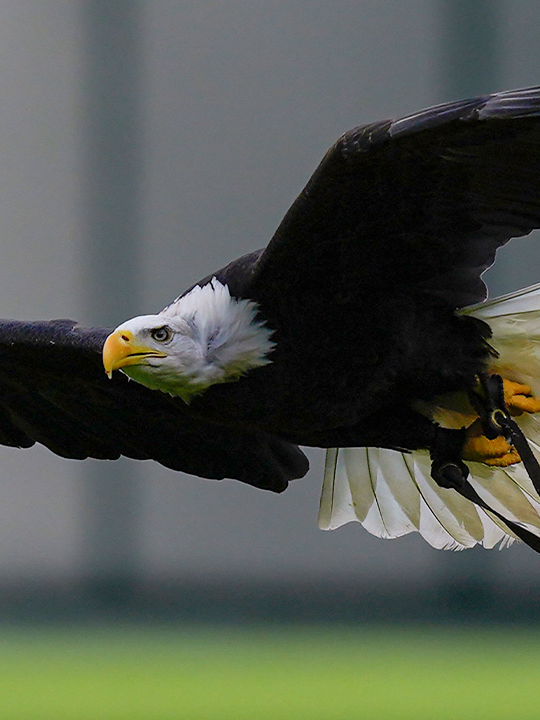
[121, 350]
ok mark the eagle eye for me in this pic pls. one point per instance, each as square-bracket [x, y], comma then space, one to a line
[161, 334]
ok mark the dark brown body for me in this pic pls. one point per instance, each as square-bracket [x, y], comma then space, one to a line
[341, 373]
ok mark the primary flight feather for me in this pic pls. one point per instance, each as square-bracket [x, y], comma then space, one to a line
[351, 331]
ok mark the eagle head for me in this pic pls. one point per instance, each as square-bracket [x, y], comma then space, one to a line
[202, 338]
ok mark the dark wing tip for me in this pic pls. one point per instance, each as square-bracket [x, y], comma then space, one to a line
[508, 104]
[512, 103]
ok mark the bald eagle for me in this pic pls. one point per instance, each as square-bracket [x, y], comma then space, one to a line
[362, 328]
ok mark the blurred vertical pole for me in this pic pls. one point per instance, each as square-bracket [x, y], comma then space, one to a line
[470, 64]
[111, 154]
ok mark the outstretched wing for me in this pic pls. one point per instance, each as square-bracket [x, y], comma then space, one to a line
[422, 201]
[53, 390]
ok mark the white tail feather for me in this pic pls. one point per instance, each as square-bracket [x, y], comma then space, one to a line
[392, 493]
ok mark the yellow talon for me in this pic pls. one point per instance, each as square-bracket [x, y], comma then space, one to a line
[519, 398]
[510, 458]
[496, 453]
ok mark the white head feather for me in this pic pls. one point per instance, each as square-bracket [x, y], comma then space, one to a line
[214, 338]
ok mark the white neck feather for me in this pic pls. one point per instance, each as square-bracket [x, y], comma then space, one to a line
[229, 337]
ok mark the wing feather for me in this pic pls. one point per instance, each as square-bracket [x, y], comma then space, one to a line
[424, 201]
[53, 390]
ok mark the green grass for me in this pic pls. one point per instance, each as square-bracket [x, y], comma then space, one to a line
[278, 673]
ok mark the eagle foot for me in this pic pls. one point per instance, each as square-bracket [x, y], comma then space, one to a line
[487, 439]
[518, 398]
[496, 452]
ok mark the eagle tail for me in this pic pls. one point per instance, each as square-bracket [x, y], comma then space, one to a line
[392, 493]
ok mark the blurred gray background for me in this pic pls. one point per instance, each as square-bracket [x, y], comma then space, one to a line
[144, 144]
